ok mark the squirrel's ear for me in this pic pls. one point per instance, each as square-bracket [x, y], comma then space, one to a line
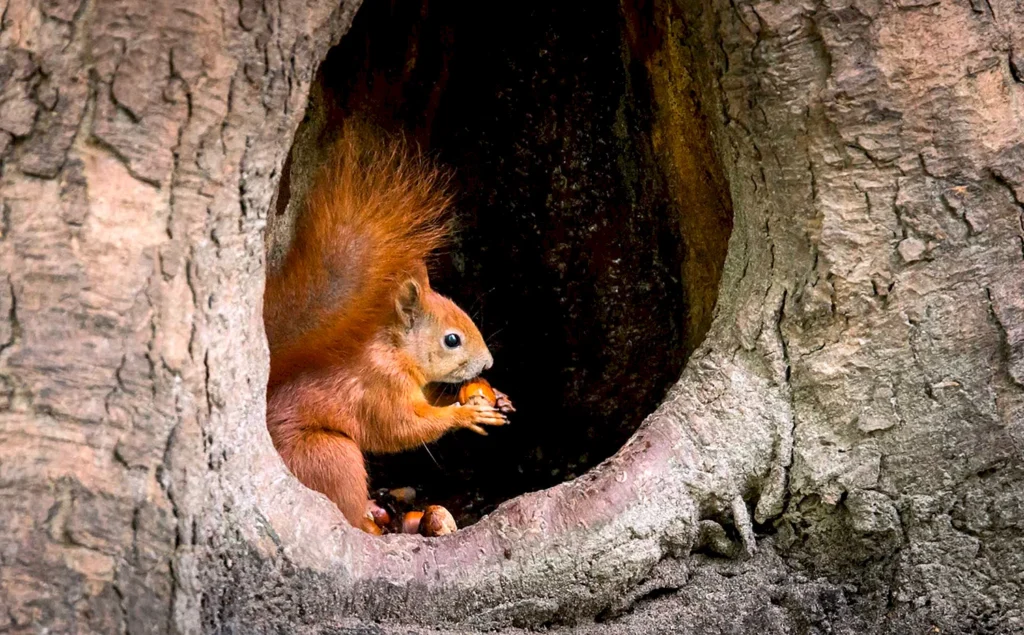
[407, 303]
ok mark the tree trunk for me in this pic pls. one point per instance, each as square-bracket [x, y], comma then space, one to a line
[841, 453]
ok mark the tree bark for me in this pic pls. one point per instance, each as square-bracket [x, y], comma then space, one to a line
[141, 145]
[842, 452]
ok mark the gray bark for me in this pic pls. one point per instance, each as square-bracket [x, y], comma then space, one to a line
[142, 142]
[848, 435]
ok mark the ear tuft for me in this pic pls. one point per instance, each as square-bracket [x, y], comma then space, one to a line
[408, 302]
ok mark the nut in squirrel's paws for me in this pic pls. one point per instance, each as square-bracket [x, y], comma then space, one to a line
[478, 392]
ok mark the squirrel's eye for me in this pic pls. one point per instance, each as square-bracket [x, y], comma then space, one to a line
[452, 340]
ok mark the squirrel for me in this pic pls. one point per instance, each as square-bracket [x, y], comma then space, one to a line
[358, 340]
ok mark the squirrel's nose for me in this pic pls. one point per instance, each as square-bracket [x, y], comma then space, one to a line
[488, 361]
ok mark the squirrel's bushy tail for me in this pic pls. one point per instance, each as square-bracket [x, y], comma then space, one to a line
[372, 216]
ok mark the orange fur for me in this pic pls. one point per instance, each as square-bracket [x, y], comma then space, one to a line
[372, 216]
[355, 331]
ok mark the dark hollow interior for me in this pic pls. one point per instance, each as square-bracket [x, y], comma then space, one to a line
[588, 249]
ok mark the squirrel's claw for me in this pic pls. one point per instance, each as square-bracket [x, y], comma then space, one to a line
[487, 415]
[503, 403]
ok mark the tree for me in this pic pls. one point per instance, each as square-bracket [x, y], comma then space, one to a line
[842, 451]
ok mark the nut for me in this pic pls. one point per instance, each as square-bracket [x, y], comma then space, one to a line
[369, 526]
[477, 389]
[411, 522]
[437, 521]
[380, 516]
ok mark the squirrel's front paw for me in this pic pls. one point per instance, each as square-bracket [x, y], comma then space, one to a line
[503, 403]
[478, 414]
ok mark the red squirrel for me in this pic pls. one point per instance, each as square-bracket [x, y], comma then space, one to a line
[357, 337]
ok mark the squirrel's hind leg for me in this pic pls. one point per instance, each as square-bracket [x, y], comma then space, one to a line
[331, 463]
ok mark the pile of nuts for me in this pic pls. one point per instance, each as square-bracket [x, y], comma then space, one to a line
[392, 514]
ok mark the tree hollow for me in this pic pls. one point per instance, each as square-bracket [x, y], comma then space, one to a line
[591, 216]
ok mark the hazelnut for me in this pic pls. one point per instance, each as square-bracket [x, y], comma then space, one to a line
[411, 522]
[476, 389]
[380, 516]
[369, 526]
[437, 521]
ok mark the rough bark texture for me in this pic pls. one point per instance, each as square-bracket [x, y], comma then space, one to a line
[141, 143]
[858, 400]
